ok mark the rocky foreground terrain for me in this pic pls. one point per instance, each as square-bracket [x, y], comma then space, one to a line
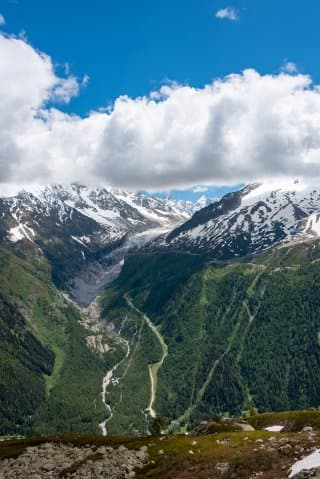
[52, 460]
[267, 446]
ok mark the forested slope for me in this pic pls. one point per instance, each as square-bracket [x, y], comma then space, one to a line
[50, 381]
[239, 334]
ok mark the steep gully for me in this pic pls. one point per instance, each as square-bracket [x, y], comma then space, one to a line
[84, 294]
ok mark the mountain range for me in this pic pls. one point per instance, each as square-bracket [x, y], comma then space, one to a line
[252, 219]
[118, 307]
[77, 227]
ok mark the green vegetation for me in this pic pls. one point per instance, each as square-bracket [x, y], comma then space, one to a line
[50, 381]
[23, 361]
[130, 400]
[74, 402]
[292, 421]
[239, 334]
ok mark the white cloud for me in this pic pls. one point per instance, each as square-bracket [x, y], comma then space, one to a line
[228, 13]
[289, 67]
[200, 189]
[2, 20]
[244, 127]
[85, 80]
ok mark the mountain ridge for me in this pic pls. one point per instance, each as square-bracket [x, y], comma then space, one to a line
[251, 220]
[76, 226]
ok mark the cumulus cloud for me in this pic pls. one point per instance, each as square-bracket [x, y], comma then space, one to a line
[244, 127]
[2, 20]
[27, 84]
[228, 13]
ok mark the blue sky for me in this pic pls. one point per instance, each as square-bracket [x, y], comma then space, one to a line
[132, 48]
[193, 194]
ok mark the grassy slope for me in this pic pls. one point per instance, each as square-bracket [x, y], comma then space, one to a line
[69, 387]
[239, 334]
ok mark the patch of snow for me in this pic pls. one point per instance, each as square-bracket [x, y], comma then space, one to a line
[309, 462]
[263, 190]
[313, 224]
[86, 239]
[20, 232]
[166, 212]
[203, 201]
[112, 208]
[79, 240]
[274, 428]
[16, 234]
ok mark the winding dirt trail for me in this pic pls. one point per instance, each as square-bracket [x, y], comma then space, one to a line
[153, 368]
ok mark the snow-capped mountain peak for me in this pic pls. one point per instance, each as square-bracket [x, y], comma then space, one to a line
[203, 201]
[252, 219]
[117, 212]
[74, 225]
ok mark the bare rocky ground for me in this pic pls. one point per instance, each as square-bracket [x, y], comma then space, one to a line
[51, 461]
[216, 449]
[232, 455]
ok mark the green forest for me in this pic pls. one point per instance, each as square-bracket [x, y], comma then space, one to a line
[240, 334]
[50, 381]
